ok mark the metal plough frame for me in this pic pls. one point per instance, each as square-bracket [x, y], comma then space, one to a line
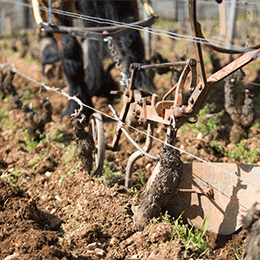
[173, 113]
[98, 34]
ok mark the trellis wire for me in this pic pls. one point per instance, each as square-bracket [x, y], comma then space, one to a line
[81, 104]
[154, 31]
[165, 33]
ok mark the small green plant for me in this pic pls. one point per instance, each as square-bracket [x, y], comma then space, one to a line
[176, 225]
[60, 136]
[29, 58]
[166, 217]
[239, 252]
[30, 143]
[243, 152]
[3, 117]
[66, 227]
[134, 189]
[64, 176]
[11, 177]
[208, 122]
[217, 146]
[111, 176]
[5, 123]
[193, 239]
[154, 221]
[69, 152]
[28, 95]
[141, 179]
[163, 23]
[35, 161]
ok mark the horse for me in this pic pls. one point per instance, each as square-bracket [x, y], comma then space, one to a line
[94, 80]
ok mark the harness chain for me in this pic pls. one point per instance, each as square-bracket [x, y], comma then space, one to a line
[124, 81]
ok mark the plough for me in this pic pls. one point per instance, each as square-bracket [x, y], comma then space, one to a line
[222, 191]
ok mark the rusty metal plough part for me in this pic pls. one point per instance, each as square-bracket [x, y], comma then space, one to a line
[147, 108]
[173, 113]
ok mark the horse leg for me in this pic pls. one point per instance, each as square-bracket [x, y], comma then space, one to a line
[49, 51]
[73, 68]
[99, 81]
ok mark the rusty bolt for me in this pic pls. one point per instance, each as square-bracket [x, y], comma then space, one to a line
[141, 121]
[192, 62]
[136, 112]
[140, 102]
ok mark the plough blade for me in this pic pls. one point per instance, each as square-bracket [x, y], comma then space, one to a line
[223, 191]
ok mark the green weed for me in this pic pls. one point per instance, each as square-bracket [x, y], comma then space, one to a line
[66, 238]
[256, 125]
[28, 95]
[110, 175]
[34, 162]
[29, 59]
[11, 177]
[239, 252]
[164, 23]
[154, 221]
[3, 117]
[217, 146]
[243, 152]
[142, 180]
[166, 217]
[69, 153]
[208, 122]
[5, 123]
[64, 176]
[30, 143]
[59, 137]
[134, 189]
[193, 238]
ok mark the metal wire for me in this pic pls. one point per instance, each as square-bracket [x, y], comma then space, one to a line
[154, 31]
[56, 90]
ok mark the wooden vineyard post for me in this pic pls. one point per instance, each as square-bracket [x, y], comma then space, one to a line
[222, 19]
[231, 23]
[147, 37]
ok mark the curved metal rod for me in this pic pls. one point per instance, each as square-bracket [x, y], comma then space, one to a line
[121, 124]
[223, 50]
[196, 31]
[148, 8]
[96, 33]
[169, 92]
[36, 12]
[136, 155]
[180, 84]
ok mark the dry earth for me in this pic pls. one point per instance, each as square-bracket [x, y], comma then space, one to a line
[51, 208]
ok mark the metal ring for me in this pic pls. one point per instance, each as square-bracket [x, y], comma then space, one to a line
[193, 121]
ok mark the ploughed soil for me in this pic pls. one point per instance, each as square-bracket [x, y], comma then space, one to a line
[52, 208]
